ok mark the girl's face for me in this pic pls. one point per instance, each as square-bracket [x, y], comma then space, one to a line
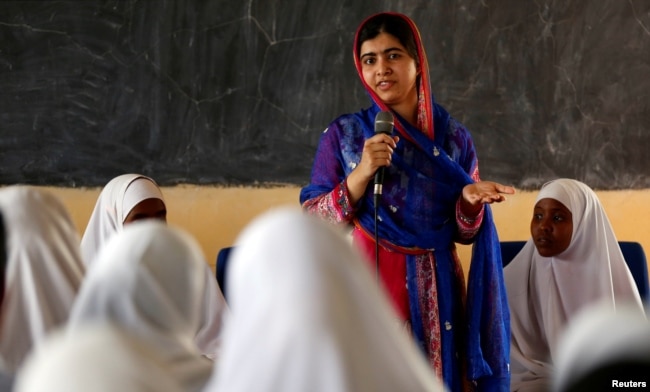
[551, 227]
[147, 209]
[389, 70]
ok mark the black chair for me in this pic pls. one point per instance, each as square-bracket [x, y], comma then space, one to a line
[632, 252]
[636, 260]
[221, 267]
[510, 249]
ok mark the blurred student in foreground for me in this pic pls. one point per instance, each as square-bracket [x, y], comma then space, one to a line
[306, 315]
[604, 349]
[44, 271]
[98, 358]
[148, 279]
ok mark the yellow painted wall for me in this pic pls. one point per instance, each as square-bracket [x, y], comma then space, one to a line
[216, 215]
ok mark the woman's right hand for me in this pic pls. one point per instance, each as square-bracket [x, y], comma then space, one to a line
[377, 152]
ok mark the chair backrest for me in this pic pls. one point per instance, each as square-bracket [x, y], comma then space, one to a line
[509, 250]
[221, 267]
[632, 252]
[636, 261]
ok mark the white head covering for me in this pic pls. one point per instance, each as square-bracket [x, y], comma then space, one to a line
[599, 338]
[306, 315]
[98, 358]
[544, 293]
[115, 202]
[213, 308]
[149, 279]
[44, 270]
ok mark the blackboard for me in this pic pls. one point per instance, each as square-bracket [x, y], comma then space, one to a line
[230, 92]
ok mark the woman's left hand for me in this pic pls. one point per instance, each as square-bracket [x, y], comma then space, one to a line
[483, 192]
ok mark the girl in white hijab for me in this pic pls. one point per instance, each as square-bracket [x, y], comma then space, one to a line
[133, 197]
[572, 260]
[149, 279]
[114, 205]
[306, 315]
[98, 358]
[43, 273]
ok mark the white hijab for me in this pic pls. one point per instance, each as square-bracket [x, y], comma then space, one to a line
[598, 337]
[44, 271]
[306, 315]
[544, 293]
[114, 204]
[98, 358]
[149, 279]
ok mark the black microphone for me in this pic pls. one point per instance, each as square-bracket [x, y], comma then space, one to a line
[383, 124]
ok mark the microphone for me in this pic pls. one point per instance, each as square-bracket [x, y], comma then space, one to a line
[383, 124]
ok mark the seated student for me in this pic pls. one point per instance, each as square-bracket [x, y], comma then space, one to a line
[571, 260]
[149, 280]
[131, 198]
[604, 349]
[306, 315]
[98, 358]
[125, 199]
[44, 271]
